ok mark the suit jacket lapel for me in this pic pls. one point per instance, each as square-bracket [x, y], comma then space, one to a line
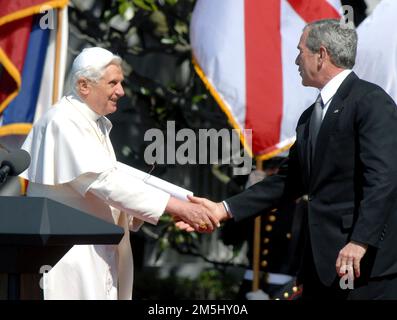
[328, 124]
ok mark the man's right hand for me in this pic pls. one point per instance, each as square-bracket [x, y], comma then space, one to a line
[216, 209]
[193, 216]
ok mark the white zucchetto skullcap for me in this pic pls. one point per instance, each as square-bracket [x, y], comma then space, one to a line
[95, 58]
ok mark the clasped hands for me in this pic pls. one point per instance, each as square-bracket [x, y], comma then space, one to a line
[199, 214]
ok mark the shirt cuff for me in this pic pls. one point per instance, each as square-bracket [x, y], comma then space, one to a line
[229, 213]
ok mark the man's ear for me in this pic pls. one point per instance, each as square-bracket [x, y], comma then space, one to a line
[83, 86]
[323, 56]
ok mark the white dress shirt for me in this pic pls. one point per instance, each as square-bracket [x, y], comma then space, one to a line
[329, 90]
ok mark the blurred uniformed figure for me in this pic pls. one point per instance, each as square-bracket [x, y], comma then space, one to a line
[279, 247]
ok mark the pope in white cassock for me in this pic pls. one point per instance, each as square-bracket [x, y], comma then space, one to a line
[73, 162]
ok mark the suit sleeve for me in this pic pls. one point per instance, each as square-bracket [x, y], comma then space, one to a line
[376, 124]
[286, 185]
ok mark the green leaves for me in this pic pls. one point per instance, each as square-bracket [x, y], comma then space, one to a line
[199, 97]
[149, 5]
[123, 6]
[171, 2]
[128, 8]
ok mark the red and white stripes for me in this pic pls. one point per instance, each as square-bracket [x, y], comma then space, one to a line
[245, 51]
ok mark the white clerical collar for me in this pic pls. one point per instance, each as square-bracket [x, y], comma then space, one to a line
[333, 85]
[83, 107]
[88, 113]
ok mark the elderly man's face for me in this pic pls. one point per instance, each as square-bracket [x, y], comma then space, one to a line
[103, 96]
[307, 62]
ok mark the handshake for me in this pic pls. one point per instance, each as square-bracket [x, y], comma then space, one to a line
[200, 214]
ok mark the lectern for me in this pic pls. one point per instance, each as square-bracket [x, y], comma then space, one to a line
[36, 231]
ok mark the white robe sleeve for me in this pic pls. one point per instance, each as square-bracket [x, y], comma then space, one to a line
[126, 193]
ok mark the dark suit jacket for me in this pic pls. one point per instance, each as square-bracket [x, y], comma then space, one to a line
[351, 185]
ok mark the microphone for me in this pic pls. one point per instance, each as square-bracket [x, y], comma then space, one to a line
[13, 163]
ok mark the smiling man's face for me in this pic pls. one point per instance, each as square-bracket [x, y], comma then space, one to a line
[102, 96]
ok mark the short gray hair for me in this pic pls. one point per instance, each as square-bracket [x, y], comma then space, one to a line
[92, 72]
[340, 41]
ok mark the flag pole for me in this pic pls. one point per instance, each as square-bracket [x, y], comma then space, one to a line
[257, 243]
[58, 44]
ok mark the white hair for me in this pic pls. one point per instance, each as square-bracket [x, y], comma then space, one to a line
[91, 64]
